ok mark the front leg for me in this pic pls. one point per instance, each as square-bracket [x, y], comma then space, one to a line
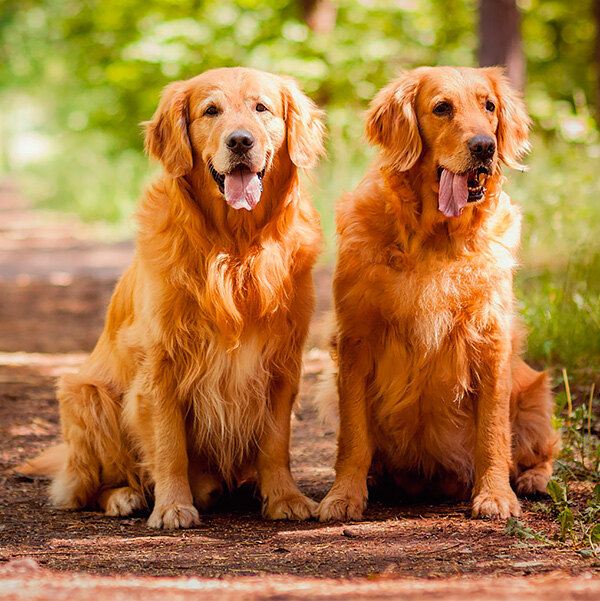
[280, 496]
[492, 495]
[164, 442]
[348, 497]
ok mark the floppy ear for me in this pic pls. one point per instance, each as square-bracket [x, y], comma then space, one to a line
[391, 121]
[167, 133]
[513, 120]
[305, 129]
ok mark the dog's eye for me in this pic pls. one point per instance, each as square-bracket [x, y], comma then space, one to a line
[442, 108]
[490, 106]
[211, 110]
[261, 108]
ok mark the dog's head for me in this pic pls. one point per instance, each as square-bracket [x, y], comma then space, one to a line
[235, 125]
[458, 123]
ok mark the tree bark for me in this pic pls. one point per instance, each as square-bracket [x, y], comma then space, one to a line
[500, 41]
[319, 15]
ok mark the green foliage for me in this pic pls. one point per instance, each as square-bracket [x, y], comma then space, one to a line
[558, 41]
[559, 286]
[103, 62]
[94, 184]
[91, 70]
[578, 467]
[575, 416]
[94, 68]
[580, 528]
[515, 527]
[557, 194]
[561, 308]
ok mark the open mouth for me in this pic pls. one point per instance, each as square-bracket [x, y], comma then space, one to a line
[476, 179]
[241, 186]
[458, 189]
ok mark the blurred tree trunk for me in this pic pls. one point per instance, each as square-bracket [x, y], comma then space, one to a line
[596, 11]
[500, 41]
[319, 15]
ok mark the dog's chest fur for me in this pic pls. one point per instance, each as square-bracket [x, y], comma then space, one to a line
[226, 351]
[229, 400]
[441, 316]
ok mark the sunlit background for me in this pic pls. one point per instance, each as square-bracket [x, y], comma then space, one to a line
[77, 77]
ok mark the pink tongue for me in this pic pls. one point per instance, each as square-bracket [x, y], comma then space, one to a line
[453, 194]
[242, 189]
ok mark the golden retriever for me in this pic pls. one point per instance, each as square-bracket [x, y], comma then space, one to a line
[191, 384]
[432, 392]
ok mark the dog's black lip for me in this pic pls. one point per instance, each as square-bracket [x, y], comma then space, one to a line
[220, 177]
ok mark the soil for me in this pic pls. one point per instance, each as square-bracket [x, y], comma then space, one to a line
[56, 276]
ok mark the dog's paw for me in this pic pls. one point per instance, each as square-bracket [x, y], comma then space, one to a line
[173, 516]
[496, 504]
[290, 507]
[533, 481]
[337, 507]
[123, 501]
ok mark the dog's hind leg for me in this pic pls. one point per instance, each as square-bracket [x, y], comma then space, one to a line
[121, 501]
[534, 440]
[89, 417]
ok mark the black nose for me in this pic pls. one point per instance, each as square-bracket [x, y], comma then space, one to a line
[240, 141]
[482, 147]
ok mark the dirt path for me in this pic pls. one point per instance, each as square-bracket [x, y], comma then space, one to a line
[56, 277]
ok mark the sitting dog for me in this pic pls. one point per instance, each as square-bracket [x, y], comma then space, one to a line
[191, 384]
[432, 391]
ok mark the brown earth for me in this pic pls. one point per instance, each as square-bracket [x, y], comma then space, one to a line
[55, 281]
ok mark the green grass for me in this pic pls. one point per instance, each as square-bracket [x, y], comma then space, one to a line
[561, 308]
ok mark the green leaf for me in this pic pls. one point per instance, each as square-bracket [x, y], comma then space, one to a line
[566, 519]
[595, 534]
[560, 402]
[596, 492]
[557, 492]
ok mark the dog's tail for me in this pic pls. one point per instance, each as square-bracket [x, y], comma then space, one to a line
[46, 464]
[534, 438]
